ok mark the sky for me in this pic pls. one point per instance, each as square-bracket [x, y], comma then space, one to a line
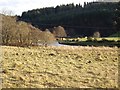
[19, 6]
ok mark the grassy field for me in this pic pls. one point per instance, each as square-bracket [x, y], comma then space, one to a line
[90, 41]
[85, 38]
[63, 66]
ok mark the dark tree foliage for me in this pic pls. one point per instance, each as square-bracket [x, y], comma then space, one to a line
[84, 20]
[118, 17]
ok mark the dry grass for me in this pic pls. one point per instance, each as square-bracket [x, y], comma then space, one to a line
[64, 66]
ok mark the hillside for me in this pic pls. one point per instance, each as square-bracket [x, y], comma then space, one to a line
[61, 67]
[83, 21]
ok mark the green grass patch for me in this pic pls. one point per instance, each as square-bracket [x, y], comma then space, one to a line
[116, 34]
[104, 41]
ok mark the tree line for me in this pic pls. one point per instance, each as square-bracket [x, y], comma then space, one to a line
[20, 33]
[93, 16]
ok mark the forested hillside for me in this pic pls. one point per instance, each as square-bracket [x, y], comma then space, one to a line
[78, 20]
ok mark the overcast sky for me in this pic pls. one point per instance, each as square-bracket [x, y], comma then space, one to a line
[18, 6]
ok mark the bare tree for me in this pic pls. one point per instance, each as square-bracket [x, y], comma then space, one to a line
[35, 36]
[1, 29]
[7, 12]
[96, 34]
[59, 31]
[21, 33]
[8, 29]
[46, 37]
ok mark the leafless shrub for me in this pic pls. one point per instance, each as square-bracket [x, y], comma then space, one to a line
[22, 34]
[59, 31]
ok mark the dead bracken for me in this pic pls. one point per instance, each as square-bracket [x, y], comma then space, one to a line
[60, 67]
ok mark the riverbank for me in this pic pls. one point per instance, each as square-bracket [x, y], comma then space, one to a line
[89, 41]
